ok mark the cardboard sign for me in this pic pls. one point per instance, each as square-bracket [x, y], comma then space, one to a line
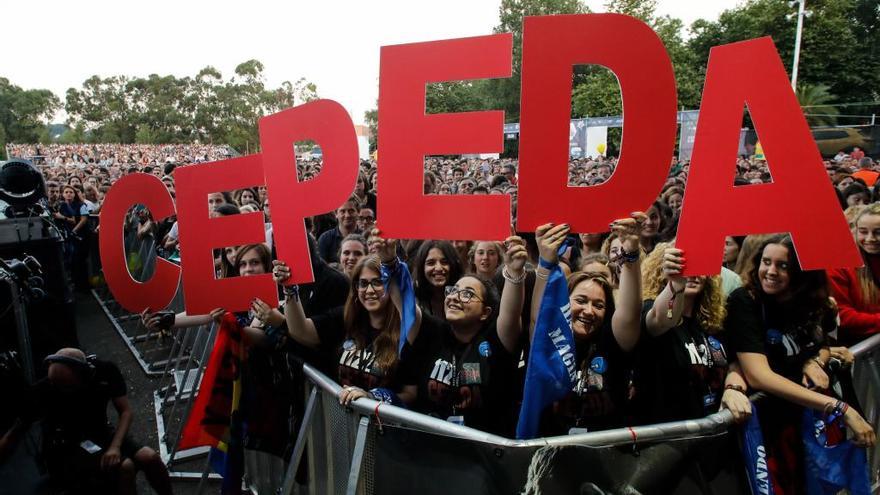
[200, 235]
[407, 135]
[630, 49]
[156, 293]
[800, 200]
[327, 123]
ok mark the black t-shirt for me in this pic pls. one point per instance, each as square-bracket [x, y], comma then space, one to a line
[598, 400]
[679, 374]
[472, 380]
[355, 365]
[80, 414]
[781, 332]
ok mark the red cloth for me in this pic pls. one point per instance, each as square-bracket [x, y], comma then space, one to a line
[209, 421]
[858, 319]
[869, 176]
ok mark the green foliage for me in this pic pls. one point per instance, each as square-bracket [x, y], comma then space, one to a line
[504, 94]
[816, 102]
[839, 48]
[371, 118]
[23, 113]
[164, 109]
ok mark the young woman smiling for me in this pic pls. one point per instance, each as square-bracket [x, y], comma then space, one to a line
[435, 266]
[364, 335]
[855, 289]
[777, 324]
[605, 331]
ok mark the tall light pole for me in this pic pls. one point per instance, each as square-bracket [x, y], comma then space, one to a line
[797, 44]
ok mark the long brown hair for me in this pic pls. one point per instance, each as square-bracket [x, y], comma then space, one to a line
[357, 320]
[809, 289]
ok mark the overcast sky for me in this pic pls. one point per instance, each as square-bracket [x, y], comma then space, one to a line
[334, 44]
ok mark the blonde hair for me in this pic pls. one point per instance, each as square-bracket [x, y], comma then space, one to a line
[870, 293]
[709, 306]
[853, 213]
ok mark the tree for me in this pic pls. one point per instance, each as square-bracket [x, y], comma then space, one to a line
[816, 103]
[24, 113]
[836, 47]
[167, 109]
[371, 117]
[505, 93]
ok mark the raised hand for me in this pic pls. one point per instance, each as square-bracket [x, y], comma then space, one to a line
[385, 248]
[549, 238]
[673, 264]
[280, 272]
[516, 255]
[629, 230]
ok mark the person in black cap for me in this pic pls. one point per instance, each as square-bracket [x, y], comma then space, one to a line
[79, 443]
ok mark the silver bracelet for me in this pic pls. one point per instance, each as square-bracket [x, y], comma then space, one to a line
[515, 281]
[541, 275]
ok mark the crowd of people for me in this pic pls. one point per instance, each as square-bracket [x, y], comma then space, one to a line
[445, 327]
[107, 155]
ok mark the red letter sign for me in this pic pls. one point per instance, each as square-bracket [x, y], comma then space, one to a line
[629, 48]
[132, 295]
[800, 199]
[199, 236]
[327, 123]
[407, 135]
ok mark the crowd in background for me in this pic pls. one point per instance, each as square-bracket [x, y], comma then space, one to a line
[651, 345]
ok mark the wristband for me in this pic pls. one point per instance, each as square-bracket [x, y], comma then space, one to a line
[630, 257]
[546, 264]
[292, 291]
[733, 386]
[386, 396]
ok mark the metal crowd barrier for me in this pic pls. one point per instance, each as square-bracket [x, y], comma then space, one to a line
[175, 358]
[345, 446]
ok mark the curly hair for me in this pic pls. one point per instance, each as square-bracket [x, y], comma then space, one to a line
[710, 307]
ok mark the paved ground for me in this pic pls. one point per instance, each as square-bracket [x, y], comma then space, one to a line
[98, 336]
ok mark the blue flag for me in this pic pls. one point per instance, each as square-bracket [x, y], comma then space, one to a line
[550, 374]
[755, 456]
[400, 275]
[832, 462]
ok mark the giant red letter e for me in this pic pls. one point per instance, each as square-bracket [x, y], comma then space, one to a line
[199, 235]
[800, 200]
[407, 135]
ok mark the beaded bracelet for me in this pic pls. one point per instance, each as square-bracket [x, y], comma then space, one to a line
[515, 281]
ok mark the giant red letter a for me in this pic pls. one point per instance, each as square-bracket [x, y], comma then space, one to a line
[800, 199]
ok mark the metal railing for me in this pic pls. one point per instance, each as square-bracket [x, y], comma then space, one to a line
[343, 448]
[341, 442]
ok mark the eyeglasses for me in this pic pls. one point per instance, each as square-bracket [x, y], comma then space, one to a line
[375, 283]
[365, 218]
[464, 295]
